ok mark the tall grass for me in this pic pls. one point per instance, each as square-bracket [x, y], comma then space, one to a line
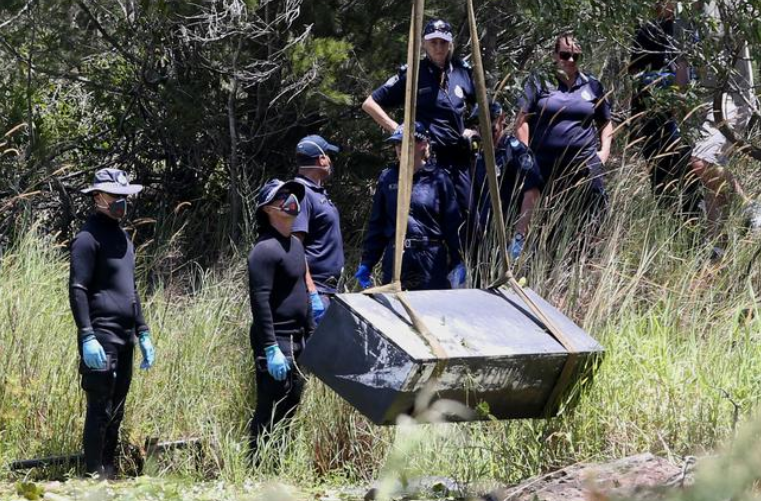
[683, 363]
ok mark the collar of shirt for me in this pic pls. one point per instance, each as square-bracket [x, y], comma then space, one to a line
[105, 219]
[435, 70]
[309, 183]
[426, 170]
[581, 80]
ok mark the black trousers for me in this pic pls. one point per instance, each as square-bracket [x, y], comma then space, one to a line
[275, 401]
[106, 392]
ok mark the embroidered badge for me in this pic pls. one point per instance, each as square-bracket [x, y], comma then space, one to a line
[391, 81]
[459, 92]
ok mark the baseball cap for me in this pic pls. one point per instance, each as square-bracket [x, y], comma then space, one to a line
[421, 134]
[314, 146]
[271, 188]
[438, 28]
[112, 181]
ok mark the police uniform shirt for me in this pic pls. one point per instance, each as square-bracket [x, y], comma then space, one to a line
[440, 106]
[563, 120]
[433, 215]
[323, 243]
[102, 291]
[517, 172]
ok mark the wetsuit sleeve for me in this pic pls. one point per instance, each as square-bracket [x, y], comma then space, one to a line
[310, 325]
[527, 100]
[451, 220]
[84, 250]
[261, 278]
[140, 323]
[392, 92]
[376, 238]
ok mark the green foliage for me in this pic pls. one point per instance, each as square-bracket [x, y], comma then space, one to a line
[30, 490]
[325, 57]
[680, 373]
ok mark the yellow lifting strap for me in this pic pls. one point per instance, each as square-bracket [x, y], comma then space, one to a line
[484, 119]
[404, 190]
[406, 171]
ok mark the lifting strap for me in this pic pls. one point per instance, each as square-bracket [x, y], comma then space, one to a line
[404, 190]
[484, 119]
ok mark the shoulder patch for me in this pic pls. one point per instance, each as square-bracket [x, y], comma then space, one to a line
[391, 81]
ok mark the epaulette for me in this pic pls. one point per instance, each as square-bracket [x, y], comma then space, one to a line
[462, 64]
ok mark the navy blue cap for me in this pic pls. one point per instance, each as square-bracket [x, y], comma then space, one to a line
[112, 181]
[314, 146]
[421, 134]
[438, 28]
[495, 110]
[271, 188]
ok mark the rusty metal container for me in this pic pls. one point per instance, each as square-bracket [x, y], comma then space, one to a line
[499, 359]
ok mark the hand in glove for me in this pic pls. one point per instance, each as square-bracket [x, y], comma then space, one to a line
[457, 276]
[363, 276]
[277, 364]
[146, 347]
[318, 308]
[93, 353]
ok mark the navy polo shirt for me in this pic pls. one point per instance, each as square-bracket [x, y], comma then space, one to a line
[433, 215]
[562, 120]
[323, 244]
[517, 172]
[441, 100]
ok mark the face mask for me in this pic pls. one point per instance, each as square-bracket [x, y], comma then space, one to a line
[290, 205]
[328, 168]
[117, 209]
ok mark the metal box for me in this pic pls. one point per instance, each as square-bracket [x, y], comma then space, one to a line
[499, 358]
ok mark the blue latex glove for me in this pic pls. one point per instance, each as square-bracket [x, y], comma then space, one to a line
[93, 353]
[363, 276]
[457, 276]
[516, 246]
[318, 308]
[277, 364]
[146, 347]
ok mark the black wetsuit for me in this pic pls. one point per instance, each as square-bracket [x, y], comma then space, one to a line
[105, 303]
[282, 315]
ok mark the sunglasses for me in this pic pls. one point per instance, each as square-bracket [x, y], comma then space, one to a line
[565, 56]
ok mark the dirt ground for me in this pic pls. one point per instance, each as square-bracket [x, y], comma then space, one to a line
[643, 476]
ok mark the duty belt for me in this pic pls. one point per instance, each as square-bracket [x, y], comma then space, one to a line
[418, 243]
